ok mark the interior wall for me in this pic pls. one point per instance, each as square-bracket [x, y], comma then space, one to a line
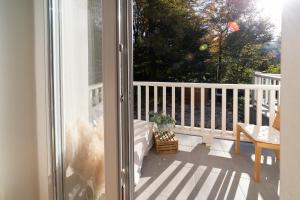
[290, 103]
[18, 156]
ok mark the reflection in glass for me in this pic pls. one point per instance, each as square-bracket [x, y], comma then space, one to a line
[81, 29]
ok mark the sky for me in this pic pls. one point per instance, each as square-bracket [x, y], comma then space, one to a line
[272, 9]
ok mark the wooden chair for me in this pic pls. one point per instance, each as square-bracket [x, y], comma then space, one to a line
[262, 137]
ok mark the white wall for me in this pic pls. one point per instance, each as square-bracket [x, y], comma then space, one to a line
[18, 157]
[290, 104]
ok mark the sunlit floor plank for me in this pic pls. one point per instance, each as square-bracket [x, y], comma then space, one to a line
[159, 181]
[200, 172]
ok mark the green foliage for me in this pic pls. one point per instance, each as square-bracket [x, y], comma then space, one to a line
[167, 35]
[273, 69]
[162, 121]
[235, 55]
[190, 40]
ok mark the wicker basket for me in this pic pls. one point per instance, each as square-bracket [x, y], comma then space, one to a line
[166, 143]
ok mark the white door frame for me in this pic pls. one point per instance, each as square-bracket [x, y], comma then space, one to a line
[111, 100]
[125, 69]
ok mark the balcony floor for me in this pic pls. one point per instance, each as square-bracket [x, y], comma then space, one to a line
[200, 172]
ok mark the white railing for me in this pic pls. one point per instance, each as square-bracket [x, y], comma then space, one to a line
[267, 79]
[167, 97]
[95, 94]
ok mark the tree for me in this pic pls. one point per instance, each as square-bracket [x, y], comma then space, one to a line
[236, 36]
[201, 41]
[167, 37]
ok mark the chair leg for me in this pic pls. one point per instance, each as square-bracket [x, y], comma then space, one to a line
[257, 163]
[238, 140]
[277, 153]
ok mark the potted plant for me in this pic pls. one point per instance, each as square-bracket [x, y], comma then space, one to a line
[162, 123]
[163, 131]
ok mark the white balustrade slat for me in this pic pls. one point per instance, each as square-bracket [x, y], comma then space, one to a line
[277, 92]
[173, 102]
[147, 103]
[255, 91]
[182, 106]
[139, 102]
[235, 109]
[263, 92]
[247, 106]
[213, 108]
[278, 99]
[224, 110]
[272, 107]
[91, 98]
[164, 100]
[101, 94]
[267, 91]
[155, 98]
[253, 100]
[192, 107]
[202, 117]
[96, 93]
[94, 97]
[259, 107]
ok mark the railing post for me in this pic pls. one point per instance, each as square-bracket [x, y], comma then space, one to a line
[164, 100]
[271, 107]
[224, 110]
[278, 100]
[182, 107]
[192, 106]
[155, 98]
[259, 107]
[213, 110]
[101, 94]
[147, 103]
[139, 102]
[173, 102]
[268, 82]
[202, 109]
[91, 98]
[235, 109]
[253, 100]
[247, 113]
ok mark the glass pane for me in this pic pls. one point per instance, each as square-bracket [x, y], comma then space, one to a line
[81, 30]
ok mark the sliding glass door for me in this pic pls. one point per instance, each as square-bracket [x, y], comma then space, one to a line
[81, 142]
[82, 99]
[90, 99]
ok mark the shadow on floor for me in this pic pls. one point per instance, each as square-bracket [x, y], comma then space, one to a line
[200, 172]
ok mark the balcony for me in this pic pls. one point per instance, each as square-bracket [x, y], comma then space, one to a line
[205, 114]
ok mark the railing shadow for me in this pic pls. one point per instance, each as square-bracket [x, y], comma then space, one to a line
[219, 177]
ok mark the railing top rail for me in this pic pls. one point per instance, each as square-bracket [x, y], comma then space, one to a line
[267, 75]
[95, 86]
[207, 85]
